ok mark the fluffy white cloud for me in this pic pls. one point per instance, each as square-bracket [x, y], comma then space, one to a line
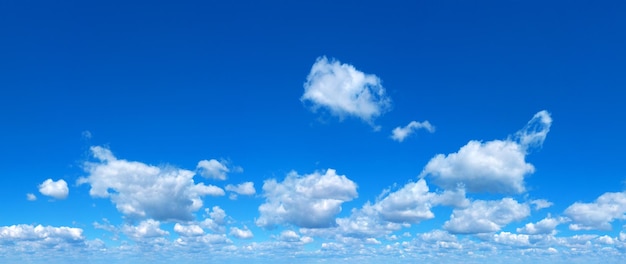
[508, 238]
[139, 190]
[412, 203]
[188, 230]
[146, 230]
[246, 188]
[31, 197]
[57, 189]
[545, 226]
[599, 214]
[486, 216]
[46, 234]
[345, 91]
[216, 220]
[400, 133]
[212, 169]
[244, 233]
[309, 201]
[493, 166]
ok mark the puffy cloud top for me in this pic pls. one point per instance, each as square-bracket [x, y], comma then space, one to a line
[57, 189]
[310, 201]
[495, 166]
[345, 91]
[143, 191]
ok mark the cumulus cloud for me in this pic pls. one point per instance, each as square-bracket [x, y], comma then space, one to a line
[56, 189]
[31, 197]
[244, 233]
[495, 166]
[246, 188]
[599, 214]
[48, 235]
[400, 133]
[345, 91]
[148, 229]
[139, 190]
[412, 203]
[212, 169]
[511, 239]
[309, 201]
[392, 211]
[545, 226]
[188, 230]
[486, 216]
[216, 219]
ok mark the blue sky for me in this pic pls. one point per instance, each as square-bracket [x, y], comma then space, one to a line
[290, 131]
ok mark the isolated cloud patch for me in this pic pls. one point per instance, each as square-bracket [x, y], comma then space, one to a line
[309, 201]
[400, 133]
[599, 214]
[495, 166]
[486, 216]
[345, 91]
[139, 190]
[56, 189]
[212, 169]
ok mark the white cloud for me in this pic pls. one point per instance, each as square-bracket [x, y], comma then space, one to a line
[45, 234]
[599, 214]
[57, 189]
[412, 203]
[188, 230]
[607, 240]
[541, 204]
[244, 233]
[309, 201]
[289, 236]
[486, 216]
[545, 226]
[345, 91]
[212, 169]
[139, 190]
[216, 220]
[31, 197]
[437, 235]
[494, 166]
[400, 133]
[535, 131]
[508, 238]
[148, 229]
[246, 188]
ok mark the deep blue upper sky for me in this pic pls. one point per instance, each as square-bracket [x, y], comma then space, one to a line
[170, 84]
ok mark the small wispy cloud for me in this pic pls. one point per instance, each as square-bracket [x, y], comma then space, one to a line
[400, 133]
